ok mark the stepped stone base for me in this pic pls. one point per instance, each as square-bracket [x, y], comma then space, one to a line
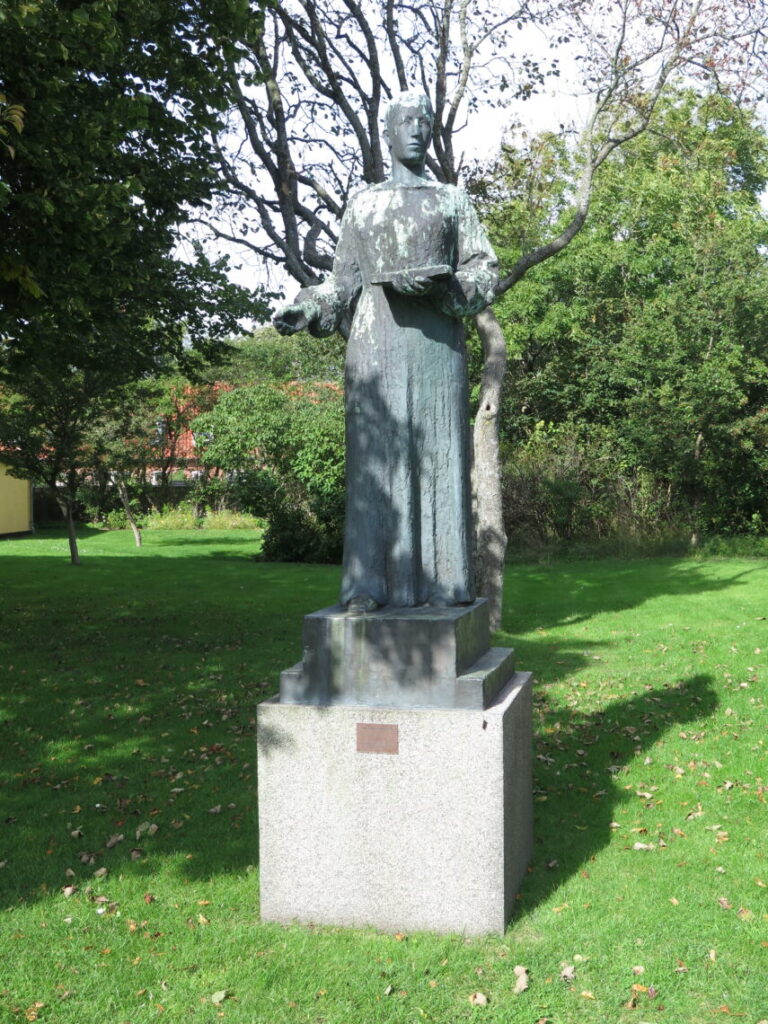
[403, 657]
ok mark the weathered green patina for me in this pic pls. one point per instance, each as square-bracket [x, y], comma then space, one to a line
[412, 259]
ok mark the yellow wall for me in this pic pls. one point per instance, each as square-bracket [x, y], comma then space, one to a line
[15, 504]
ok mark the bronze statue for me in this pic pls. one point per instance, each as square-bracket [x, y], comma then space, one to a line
[412, 259]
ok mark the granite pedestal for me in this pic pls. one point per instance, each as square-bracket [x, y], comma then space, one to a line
[396, 818]
[395, 784]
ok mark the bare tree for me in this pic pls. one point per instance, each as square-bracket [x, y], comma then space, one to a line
[308, 127]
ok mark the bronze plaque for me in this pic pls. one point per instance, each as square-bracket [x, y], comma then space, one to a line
[374, 738]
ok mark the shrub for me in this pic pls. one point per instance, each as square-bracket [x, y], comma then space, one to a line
[182, 517]
[227, 519]
[284, 448]
[568, 483]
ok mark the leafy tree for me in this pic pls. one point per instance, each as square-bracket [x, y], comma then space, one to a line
[284, 443]
[140, 433]
[265, 355]
[120, 101]
[653, 325]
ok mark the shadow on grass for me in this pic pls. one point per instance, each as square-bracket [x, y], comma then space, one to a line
[587, 589]
[198, 538]
[578, 772]
[129, 695]
[538, 600]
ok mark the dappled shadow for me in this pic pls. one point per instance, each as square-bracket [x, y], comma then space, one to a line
[130, 691]
[578, 770]
[129, 696]
[585, 589]
[198, 538]
[533, 606]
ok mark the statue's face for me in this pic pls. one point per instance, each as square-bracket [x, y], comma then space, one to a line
[408, 134]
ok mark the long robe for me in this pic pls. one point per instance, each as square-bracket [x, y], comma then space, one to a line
[408, 528]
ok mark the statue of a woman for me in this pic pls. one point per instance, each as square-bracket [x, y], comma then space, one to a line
[411, 260]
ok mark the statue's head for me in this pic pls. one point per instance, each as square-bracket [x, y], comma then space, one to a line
[408, 123]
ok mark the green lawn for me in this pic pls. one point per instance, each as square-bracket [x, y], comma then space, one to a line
[129, 877]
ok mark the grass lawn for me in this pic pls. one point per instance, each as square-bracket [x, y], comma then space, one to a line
[128, 846]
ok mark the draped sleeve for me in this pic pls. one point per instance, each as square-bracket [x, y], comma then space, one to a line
[332, 302]
[472, 286]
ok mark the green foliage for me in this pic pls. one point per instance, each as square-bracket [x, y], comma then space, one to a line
[650, 328]
[184, 516]
[285, 443]
[266, 355]
[187, 515]
[120, 100]
[90, 225]
[566, 483]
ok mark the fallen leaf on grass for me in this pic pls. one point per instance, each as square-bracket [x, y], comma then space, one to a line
[643, 846]
[638, 970]
[478, 999]
[744, 914]
[69, 890]
[587, 995]
[568, 973]
[219, 997]
[33, 1012]
[114, 840]
[523, 981]
[724, 903]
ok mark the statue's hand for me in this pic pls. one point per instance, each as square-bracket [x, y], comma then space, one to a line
[408, 283]
[291, 319]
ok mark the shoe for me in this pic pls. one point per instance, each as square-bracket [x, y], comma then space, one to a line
[362, 605]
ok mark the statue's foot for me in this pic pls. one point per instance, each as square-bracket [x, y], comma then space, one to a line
[362, 605]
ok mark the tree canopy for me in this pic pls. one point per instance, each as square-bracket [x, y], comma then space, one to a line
[649, 332]
[119, 101]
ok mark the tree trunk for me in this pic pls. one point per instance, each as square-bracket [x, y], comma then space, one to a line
[67, 506]
[490, 538]
[122, 490]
